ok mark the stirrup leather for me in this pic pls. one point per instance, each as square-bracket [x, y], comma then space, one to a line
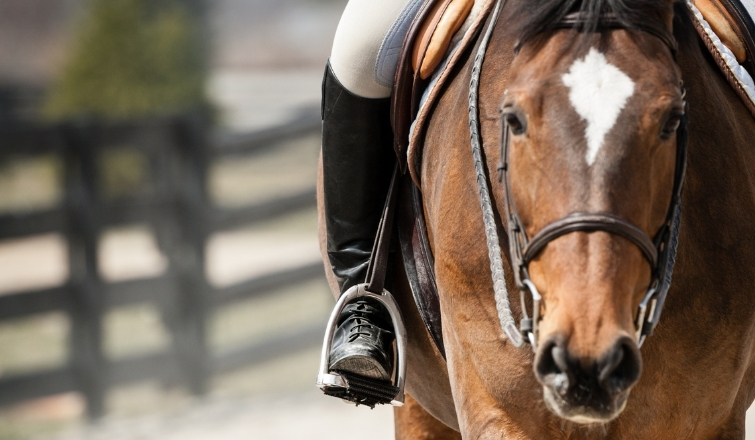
[356, 389]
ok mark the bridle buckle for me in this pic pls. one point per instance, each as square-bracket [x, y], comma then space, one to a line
[529, 326]
[646, 308]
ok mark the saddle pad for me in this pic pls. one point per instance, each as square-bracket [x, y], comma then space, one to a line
[727, 61]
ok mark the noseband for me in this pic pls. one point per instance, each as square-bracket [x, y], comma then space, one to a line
[660, 251]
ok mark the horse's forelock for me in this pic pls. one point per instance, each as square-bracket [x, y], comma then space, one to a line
[534, 17]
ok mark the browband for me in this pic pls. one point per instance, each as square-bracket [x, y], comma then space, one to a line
[610, 20]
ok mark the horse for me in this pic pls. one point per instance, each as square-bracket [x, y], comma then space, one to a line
[614, 153]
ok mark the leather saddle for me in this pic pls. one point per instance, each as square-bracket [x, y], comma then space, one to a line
[425, 46]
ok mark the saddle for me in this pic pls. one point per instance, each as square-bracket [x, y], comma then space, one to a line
[432, 33]
[726, 28]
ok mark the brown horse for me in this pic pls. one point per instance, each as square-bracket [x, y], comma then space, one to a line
[575, 148]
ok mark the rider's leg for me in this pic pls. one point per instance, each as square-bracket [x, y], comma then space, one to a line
[367, 44]
[358, 159]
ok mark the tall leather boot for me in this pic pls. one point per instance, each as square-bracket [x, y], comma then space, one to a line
[358, 160]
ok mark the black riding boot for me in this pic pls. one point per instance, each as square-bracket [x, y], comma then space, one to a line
[358, 159]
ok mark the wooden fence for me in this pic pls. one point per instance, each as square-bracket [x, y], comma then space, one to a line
[175, 204]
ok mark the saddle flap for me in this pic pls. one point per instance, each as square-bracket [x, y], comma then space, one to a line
[419, 263]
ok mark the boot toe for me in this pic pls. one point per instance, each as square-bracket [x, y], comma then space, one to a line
[362, 360]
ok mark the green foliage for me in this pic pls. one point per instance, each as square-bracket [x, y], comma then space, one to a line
[133, 58]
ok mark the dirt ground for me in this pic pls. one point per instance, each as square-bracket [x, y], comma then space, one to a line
[278, 417]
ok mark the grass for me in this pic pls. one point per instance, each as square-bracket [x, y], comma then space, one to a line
[35, 343]
[133, 330]
[30, 183]
[132, 58]
[13, 429]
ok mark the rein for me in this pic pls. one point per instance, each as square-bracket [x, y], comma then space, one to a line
[660, 251]
[503, 306]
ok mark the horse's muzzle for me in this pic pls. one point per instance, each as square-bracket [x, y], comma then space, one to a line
[587, 392]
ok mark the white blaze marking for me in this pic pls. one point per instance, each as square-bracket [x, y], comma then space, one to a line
[598, 91]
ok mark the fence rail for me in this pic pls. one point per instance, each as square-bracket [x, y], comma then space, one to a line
[179, 151]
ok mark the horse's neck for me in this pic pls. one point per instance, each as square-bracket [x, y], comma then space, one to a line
[721, 165]
[717, 243]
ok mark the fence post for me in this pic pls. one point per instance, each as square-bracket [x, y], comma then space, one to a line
[195, 301]
[87, 358]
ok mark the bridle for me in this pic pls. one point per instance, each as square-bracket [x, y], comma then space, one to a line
[660, 251]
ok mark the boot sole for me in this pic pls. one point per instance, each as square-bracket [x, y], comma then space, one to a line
[362, 366]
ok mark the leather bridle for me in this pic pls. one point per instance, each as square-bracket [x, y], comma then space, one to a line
[660, 251]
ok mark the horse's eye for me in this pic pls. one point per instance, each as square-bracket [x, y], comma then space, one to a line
[515, 122]
[671, 125]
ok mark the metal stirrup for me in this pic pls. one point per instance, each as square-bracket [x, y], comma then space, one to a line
[351, 389]
[332, 382]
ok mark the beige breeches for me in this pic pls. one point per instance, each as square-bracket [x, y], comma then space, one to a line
[367, 44]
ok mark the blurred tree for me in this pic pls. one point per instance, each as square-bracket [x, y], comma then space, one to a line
[134, 58]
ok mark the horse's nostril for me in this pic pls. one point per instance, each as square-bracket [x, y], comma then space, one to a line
[620, 368]
[545, 364]
[552, 366]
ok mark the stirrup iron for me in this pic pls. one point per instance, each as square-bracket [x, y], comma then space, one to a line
[357, 389]
[350, 387]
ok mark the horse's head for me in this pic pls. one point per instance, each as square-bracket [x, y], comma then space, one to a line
[593, 119]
